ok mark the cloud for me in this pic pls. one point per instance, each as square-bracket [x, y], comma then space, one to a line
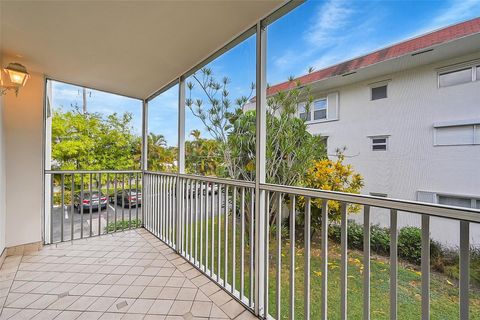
[454, 12]
[329, 18]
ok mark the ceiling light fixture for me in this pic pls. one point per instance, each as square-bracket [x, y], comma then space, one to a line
[18, 77]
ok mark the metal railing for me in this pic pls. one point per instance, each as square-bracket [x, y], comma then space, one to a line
[82, 204]
[211, 222]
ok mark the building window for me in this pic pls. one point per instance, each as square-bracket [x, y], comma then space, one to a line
[455, 135]
[464, 74]
[320, 109]
[455, 201]
[455, 77]
[303, 113]
[378, 194]
[379, 143]
[379, 92]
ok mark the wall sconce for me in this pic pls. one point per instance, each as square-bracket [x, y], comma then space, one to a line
[18, 78]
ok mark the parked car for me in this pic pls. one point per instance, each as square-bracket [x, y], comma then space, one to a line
[130, 198]
[210, 187]
[94, 202]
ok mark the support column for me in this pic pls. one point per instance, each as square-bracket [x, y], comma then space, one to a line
[261, 102]
[180, 163]
[144, 157]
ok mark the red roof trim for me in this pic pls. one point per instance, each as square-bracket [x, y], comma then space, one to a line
[407, 47]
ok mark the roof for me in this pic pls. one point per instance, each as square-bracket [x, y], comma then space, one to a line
[410, 46]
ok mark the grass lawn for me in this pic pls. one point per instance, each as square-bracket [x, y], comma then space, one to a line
[444, 290]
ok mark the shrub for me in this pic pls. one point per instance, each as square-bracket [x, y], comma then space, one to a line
[410, 244]
[380, 240]
[122, 225]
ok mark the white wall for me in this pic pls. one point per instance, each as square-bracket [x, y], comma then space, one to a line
[412, 163]
[3, 207]
[23, 121]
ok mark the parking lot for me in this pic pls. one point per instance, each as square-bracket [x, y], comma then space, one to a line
[87, 224]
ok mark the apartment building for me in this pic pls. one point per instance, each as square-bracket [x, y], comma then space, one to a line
[408, 116]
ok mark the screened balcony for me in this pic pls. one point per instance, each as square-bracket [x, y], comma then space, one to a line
[190, 237]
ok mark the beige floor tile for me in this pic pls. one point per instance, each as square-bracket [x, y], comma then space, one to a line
[89, 316]
[128, 275]
[121, 305]
[80, 289]
[133, 316]
[209, 288]
[159, 281]
[82, 303]
[24, 301]
[98, 290]
[25, 314]
[201, 309]
[102, 304]
[175, 282]
[46, 315]
[43, 302]
[151, 292]
[232, 308]
[220, 297]
[8, 312]
[180, 308]
[141, 306]
[216, 312]
[63, 303]
[126, 279]
[246, 315]
[115, 291]
[160, 307]
[187, 294]
[111, 316]
[142, 280]
[169, 293]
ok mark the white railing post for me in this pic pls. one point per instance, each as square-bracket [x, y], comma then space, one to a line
[261, 102]
[181, 161]
[144, 155]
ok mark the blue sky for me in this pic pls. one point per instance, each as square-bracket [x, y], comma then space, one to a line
[316, 34]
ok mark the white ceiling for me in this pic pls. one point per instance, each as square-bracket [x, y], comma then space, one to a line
[128, 47]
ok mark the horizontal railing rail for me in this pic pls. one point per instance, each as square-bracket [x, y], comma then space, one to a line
[212, 223]
[431, 209]
[86, 203]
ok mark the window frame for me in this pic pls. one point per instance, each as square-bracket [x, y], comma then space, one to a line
[311, 113]
[473, 124]
[372, 144]
[325, 108]
[474, 67]
[372, 87]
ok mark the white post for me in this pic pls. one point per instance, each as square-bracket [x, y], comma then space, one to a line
[181, 161]
[48, 162]
[144, 164]
[261, 102]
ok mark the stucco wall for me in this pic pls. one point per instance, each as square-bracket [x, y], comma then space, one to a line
[412, 162]
[2, 177]
[23, 121]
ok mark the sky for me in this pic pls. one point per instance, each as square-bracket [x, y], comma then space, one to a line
[316, 34]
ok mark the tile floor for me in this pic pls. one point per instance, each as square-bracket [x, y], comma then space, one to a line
[127, 275]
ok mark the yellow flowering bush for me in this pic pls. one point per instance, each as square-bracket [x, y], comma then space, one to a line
[332, 175]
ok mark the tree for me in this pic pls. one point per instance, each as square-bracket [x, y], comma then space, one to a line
[202, 156]
[88, 141]
[160, 156]
[331, 175]
[217, 112]
[290, 148]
